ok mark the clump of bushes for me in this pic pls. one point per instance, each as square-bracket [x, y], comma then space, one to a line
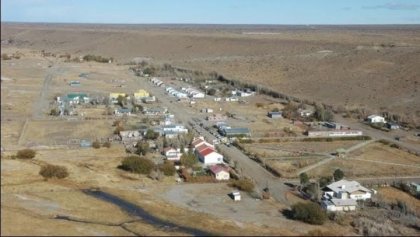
[96, 58]
[53, 171]
[26, 154]
[243, 184]
[96, 145]
[137, 164]
[168, 168]
[309, 212]
[106, 144]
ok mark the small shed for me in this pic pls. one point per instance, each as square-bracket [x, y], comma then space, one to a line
[85, 143]
[275, 115]
[236, 195]
[393, 126]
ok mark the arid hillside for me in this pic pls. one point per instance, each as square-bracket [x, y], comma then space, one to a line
[372, 67]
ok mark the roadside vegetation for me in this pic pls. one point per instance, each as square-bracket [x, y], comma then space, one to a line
[96, 58]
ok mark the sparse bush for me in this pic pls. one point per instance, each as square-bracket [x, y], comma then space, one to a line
[243, 184]
[142, 147]
[309, 212]
[323, 114]
[151, 135]
[168, 168]
[137, 164]
[118, 129]
[4, 56]
[106, 144]
[188, 159]
[259, 105]
[26, 154]
[95, 58]
[54, 112]
[96, 145]
[53, 171]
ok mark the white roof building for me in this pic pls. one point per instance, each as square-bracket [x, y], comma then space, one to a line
[342, 195]
[376, 119]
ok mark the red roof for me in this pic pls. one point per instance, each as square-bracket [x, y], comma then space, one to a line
[218, 168]
[202, 147]
[206, 151]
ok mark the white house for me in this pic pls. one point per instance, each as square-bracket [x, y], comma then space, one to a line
[376, 119]
[220, 172]
[345, 189]
[342, 195]
[175, 128]
[208, 155]
[172, 154]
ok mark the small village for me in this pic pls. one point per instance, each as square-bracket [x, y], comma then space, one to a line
[184, 150]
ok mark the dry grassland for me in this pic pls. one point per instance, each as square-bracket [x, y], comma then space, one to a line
[372, 67]
[382, 153]
[392, 195]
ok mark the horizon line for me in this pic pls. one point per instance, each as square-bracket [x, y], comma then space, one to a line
[221, 24]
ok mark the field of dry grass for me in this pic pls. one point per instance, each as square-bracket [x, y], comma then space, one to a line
[383, 153]
[367, 67]
[60, 132]
[373, 160]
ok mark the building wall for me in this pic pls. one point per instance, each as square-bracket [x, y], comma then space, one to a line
[222, 175]
[212, 158]
[341, 133]
[360, 196]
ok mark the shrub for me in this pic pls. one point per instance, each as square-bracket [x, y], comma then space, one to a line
[26, 154]
[259, 105]
[324, 181]
[118, 129]
[4, 56]
[142, 147]
[151, 135]
[243, 184]
[54, 112]
[53, 171]
[96, 145]
[211, 91]
[309, 212]
[168, 169]
[137, 164]
[338, 175]
[188, 159]
[304, 178]
[106, 144]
